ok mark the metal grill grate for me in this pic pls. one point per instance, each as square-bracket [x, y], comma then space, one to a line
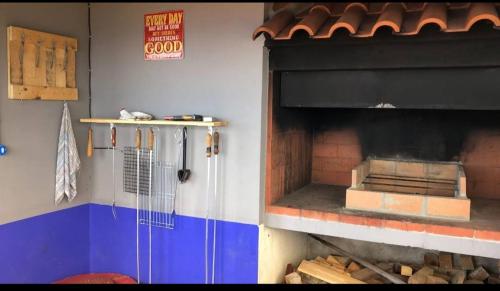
[130, 170]
[162, 197]
[163, 184]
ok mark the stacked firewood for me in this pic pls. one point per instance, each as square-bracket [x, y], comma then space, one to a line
[436, 269]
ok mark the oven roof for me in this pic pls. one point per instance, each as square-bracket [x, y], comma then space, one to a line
[322, 20]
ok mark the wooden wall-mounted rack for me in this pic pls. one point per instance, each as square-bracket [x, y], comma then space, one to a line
[41, 65]
[155, 122]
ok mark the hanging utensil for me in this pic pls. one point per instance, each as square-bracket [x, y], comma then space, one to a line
[138, 149]
[151, 139]
[184, 173]
[90, 143]
[216, 155]
[208, 142]
[113, 144]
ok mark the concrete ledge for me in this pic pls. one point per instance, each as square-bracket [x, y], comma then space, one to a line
[423, 239]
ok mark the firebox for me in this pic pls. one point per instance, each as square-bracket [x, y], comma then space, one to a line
[374, 122]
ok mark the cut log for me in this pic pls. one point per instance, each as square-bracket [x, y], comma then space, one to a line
[337, 268]
[344, 261]
[466, 263]
[353, 267]
[479, 274]
[357, 259]
[326, 274]
[374, 281]
[458, 277]
[443, 276]
[363, 274]
[430, 279]
[334, 262]
[406, 270]
[417, 279]
[289, 269]
[493, 280]
[366, 273]
[425, 271]
[426, 279]
[420, 277]
[431, 259]
[473, 282]
[293, 278]
[307, 279]
[445, 261]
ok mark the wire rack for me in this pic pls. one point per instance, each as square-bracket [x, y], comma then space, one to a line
[130, 170]
[163, 184]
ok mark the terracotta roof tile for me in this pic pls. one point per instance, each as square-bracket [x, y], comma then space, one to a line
[432, 13]
[322, 20]
[312, 22]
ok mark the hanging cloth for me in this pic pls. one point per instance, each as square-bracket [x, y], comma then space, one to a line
[68, 161]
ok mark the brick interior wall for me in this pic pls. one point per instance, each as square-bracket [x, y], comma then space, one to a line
[337, 151]
[289, 149]
[481, 159]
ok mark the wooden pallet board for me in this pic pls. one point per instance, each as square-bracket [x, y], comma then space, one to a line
[41, 65]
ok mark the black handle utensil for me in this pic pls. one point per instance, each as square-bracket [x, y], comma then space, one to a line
[183, 174]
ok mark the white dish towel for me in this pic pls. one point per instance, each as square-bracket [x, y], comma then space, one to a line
[68, 161]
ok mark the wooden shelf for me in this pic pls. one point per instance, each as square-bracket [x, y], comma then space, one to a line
[155, 122]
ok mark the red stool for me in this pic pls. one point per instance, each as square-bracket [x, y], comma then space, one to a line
[98, 278]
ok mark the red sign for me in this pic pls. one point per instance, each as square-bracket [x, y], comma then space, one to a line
[164, 35]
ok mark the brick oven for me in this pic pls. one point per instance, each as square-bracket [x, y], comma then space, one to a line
[395, 106]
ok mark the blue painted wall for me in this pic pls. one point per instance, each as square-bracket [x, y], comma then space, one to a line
[45, 248]
[83, 239]
[178, 254]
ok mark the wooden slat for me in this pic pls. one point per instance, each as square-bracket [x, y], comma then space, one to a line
[154, 122]
[43, 93]
[15, 70]
[50, 67]
[326, 274]
[407, 178]
[417, 184]
[28, 66]
[409, 190]
[70, 69]
[33, 36]
[60, 72]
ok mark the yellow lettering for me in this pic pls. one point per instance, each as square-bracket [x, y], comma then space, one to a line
[177, 46]
[158, 47]
[148, 48]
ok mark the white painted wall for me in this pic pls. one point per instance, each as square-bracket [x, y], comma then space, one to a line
[30, 129]
[277, 248]
[221, 75]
